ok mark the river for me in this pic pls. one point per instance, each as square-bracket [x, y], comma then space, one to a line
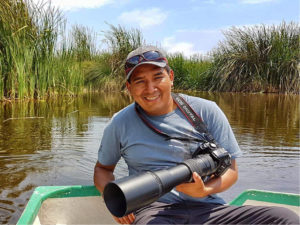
[56, 143]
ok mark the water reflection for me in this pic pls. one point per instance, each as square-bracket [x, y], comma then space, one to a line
[49, 143]
[56, 142]
[271, 118]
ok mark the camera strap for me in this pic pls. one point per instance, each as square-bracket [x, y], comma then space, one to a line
[153, 128]
[191, 116]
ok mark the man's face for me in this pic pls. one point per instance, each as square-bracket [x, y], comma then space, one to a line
[150, 86]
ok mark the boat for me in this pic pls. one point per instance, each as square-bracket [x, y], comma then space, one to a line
[84, 204]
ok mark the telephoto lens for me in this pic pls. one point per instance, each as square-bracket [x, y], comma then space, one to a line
[125, 195]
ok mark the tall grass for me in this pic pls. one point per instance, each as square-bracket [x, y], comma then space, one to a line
[83, 43]
[39, 60]
[190, 73]
[260, 58]
[107, 70]
[28, 36]
[121, 41]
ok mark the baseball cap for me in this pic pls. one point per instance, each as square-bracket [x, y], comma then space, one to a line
[144, 55]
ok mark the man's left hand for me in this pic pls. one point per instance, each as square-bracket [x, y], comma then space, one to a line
[196, 188]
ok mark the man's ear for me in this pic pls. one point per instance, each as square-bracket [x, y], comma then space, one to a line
[172, 76]
[128, 86]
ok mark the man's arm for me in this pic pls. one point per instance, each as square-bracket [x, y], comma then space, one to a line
[213, 186]
[102, 176]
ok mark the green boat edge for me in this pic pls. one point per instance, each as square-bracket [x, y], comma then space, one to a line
[44, 192]
[267, 196]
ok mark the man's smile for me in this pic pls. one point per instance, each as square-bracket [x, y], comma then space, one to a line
[151, 98]
[150, 86]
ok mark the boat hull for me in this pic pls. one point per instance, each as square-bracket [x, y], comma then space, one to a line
[84, 205]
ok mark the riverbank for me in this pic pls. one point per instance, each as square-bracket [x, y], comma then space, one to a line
[40, 59]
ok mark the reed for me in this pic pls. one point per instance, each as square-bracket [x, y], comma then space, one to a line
[106, 73]
[258, 59]
[27, 48]
[82, 41]
[190, 73]
[38, 60]
[121, 41]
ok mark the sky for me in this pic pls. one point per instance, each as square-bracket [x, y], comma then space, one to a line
[186, 26]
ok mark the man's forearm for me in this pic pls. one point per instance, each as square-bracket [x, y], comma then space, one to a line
[102, 176]
[220, 184]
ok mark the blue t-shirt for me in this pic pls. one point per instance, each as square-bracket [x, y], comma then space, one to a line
[127, 136]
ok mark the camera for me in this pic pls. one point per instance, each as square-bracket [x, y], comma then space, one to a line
[219, 155]
[128, 194]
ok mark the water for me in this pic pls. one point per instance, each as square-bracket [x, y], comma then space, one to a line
[56, 143]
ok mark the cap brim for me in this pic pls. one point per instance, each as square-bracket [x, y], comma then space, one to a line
[159, 64]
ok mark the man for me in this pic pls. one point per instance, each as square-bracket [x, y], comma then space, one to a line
[149, 81]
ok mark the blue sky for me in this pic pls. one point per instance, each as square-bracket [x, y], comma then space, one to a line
[187, 26]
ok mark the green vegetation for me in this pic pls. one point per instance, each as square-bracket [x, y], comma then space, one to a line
[38, 60]
[106, 71]
[260, 58]
[190, 74]
[32, 63]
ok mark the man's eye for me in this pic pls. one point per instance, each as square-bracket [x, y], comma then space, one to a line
[158, 77]
[139, 82]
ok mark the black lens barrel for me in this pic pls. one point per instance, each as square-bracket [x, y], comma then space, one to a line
[204, 165]
[130, 193]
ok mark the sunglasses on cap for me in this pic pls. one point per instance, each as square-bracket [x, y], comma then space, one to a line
[146, 56]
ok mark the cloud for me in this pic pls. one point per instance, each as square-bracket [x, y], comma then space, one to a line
[200, 41]
[144, 18]
[171, 46]
[255, 1]
[67, 5]
[193, 41]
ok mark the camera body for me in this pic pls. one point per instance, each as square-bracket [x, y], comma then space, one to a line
[220, 155]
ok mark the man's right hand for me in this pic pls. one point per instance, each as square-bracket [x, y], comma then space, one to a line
[125, 219]
[103, 175]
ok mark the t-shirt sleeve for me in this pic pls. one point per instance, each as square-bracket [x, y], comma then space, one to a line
[221, 130]
[109, 150]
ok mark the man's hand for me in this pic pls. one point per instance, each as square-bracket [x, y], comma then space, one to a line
[215, 185]
[125, 219]
[102, 176]
[195, 189]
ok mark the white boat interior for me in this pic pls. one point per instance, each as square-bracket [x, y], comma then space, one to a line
[74, 210]
[92, 210]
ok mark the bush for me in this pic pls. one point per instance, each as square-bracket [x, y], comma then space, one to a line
[189, 73]
[260, 58]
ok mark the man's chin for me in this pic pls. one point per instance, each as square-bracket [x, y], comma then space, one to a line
[150, 104]
[150, 109]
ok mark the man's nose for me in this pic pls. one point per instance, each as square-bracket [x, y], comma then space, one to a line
[150, 86]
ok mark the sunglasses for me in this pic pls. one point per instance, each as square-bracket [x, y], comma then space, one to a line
[146, 56]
